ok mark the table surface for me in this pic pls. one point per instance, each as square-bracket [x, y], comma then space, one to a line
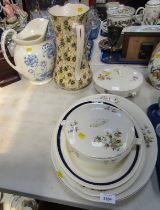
[28, 116]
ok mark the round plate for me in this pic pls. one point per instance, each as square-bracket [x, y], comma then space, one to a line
[118, 80]
[149, 137]
[99, 131]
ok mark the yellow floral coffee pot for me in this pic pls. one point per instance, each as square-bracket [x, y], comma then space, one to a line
[72, 71]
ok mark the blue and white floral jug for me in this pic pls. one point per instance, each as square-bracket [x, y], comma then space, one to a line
[33, 57]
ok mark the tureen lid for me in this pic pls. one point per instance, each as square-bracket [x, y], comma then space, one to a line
[118, 79]
[121, 10]
[99, 130]
[153, 2]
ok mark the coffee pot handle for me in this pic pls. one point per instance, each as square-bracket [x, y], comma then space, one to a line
[80, 47]
[136, 14]
[3, 41]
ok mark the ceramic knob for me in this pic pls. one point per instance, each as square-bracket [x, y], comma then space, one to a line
[133, 94]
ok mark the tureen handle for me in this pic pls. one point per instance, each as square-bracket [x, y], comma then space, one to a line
[3, 41]
[139, 19]
[80, 47]
[138, 141]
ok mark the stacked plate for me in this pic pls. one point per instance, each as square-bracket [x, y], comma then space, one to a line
[104, 145]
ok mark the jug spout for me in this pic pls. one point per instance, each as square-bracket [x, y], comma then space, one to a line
[33, 33]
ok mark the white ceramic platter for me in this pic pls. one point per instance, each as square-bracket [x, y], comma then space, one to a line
[149, 137]
[99, 131]
[124, 81]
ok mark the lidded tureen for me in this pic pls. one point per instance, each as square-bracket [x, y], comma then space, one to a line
[122, 81]
[120, 15]
[99, 131]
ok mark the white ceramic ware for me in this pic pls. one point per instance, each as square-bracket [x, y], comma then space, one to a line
[151, 13]
[110, 5]
[149, 139]
[122, 81]
[120, 16]
[87, 174]
[98, 175]
[72, 71]
[154, 68]
[99, 131]
[33, 57]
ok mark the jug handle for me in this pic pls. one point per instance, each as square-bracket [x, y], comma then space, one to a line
[3, 41]
[136, 14]
[80, 47]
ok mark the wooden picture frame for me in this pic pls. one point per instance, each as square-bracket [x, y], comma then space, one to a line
[138, 46]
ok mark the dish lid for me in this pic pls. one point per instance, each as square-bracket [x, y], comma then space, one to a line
[153, 2]
[118, 79]
[121, 10]
[99, 130]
